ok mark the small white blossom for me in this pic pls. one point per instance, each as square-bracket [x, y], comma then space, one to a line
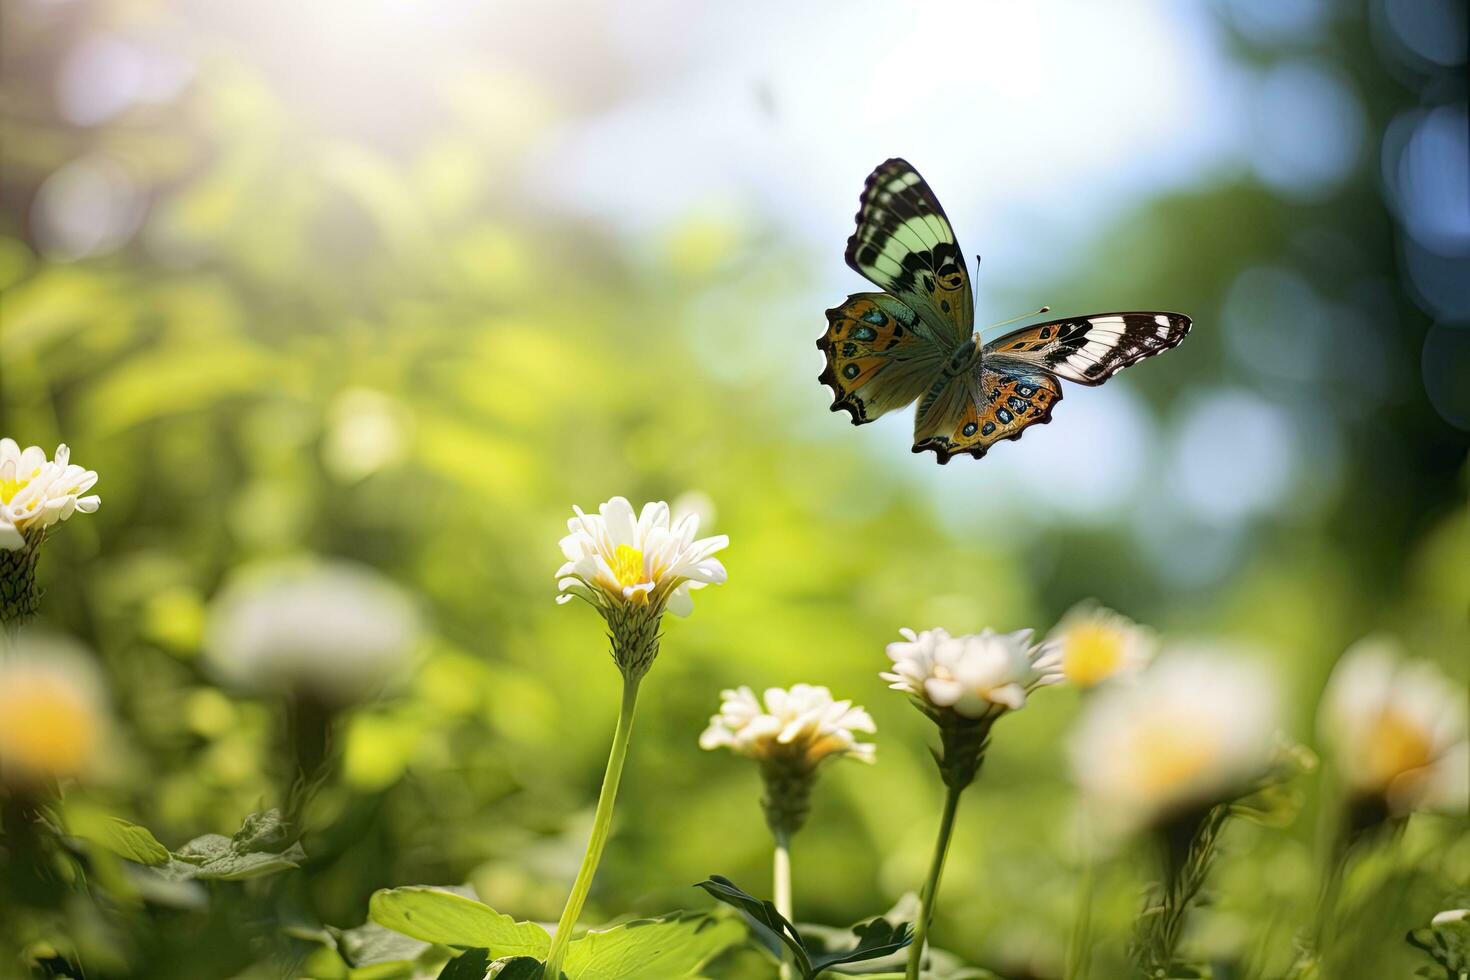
[1097, 644]
[616, 558]
[1450, 915]
[335, 631]
[803, 724]
[36, 492]
[53, 718]
[1198, 728]
[976, 676]
[1397, 729]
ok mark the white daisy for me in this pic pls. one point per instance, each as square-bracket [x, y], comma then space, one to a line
[803, 726]
[976, 676]
[616, 558]
[335, 631]
[36, 493]
[1198, 728]
[1098, 644]
[1397, 729]
[53, 717]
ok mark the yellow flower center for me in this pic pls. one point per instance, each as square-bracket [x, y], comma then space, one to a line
[627, 565]
[1093, 652]
[46, 727]
[1398, 744]
[9, 488]
[1167, 754]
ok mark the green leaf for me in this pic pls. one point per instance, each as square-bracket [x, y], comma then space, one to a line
[472, 964]
[770, 926]
[248, 854]
[671, 946]
[438, 916]
[126, 840]
[264, 831]
[875, 938]
[198, 863]
[370, 944]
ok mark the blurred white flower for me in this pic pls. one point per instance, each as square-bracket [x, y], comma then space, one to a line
[976, 676]
[801, 727]
[335, 631]
[1397, 729]
[36, 493]
[615, 558]
[53, 717]
[1450, 915]
[1097, 644]
[1198, 728]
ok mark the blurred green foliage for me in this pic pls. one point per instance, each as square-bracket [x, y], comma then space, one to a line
[321, 345]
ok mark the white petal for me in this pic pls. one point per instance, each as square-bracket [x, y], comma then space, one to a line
[680, 603]
[10, 538]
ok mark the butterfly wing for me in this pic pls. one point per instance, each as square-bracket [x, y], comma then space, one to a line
[1016, 384]
[904, 244]
[1089, 349]
[878, 357]
[971, 412]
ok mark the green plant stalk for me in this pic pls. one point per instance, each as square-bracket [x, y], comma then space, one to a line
[1079, 950]
[601, 825]
[1188, 866]
[930, 893]
[781, 885]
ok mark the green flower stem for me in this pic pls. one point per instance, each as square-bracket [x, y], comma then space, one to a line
[1079, 949]
[930, 893]
[601, 824]
[781, 885]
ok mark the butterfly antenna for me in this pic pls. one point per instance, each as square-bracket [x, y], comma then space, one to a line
[1023, 316]
[977, 266]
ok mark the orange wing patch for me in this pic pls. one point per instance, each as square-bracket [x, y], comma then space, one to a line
[876, 362]
[1009, 403]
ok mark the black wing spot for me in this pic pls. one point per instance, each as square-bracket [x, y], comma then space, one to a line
[875, 317]
[1025, 390]
[851, 371]
[987, 428]
[969, 429]
[944, 305]
[865, 334]
[1001, 414]
[1045, 333]
[1017, 404]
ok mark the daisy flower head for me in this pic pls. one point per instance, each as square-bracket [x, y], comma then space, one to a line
[632, 567]
[36, 493]
[790, 735]
[54, 721]
[965, 684]
[1197, 729]
[1097, 644]
[1396, 729]
[802, 727]
[975, 676]
[333, 632]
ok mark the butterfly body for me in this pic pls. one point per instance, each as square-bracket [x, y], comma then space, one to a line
[914, 342]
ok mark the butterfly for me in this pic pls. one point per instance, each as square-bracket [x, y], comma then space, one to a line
[914, 341]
